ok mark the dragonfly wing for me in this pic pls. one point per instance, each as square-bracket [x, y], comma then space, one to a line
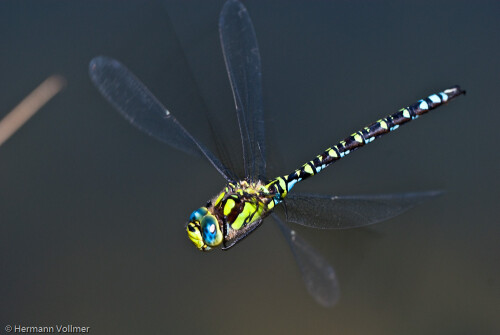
[241, 54]
[342, 212]
[141, 108]
[317, 274]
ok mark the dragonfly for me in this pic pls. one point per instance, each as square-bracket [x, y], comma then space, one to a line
[245, 201]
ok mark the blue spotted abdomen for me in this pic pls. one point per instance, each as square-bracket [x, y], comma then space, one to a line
[282, 185]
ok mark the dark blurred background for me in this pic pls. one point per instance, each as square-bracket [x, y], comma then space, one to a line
[92, 211]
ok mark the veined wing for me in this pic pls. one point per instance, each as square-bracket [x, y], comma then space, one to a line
[317, 274]
[140, 107]
[241, 54]
[343, 212]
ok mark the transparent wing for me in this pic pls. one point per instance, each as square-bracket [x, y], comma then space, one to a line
[342, 212]
[138, 105]
[317, 274]
[241, 54]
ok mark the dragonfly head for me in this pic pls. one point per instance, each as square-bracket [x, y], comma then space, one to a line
[204, 230]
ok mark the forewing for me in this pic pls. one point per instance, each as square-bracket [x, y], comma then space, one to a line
[241, 54]
[342, 212]
[316, 272]
[138, 105]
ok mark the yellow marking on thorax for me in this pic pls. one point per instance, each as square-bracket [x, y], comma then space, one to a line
[252, 191]
[230, 203]
[219, 198]
[242, 218]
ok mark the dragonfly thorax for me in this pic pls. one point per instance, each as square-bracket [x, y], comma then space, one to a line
[230, 215]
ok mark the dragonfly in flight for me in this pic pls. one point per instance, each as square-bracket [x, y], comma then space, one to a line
[247, 200]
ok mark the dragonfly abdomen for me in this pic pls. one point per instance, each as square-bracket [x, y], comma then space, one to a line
[284, 184]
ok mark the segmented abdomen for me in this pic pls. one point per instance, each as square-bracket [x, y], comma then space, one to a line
[360, 138]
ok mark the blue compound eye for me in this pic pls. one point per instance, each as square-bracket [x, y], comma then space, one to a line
[210, 231]
[198, 214]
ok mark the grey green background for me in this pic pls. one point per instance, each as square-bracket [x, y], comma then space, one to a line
[92, 211]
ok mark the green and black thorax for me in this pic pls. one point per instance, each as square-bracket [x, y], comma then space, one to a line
[232, 214]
